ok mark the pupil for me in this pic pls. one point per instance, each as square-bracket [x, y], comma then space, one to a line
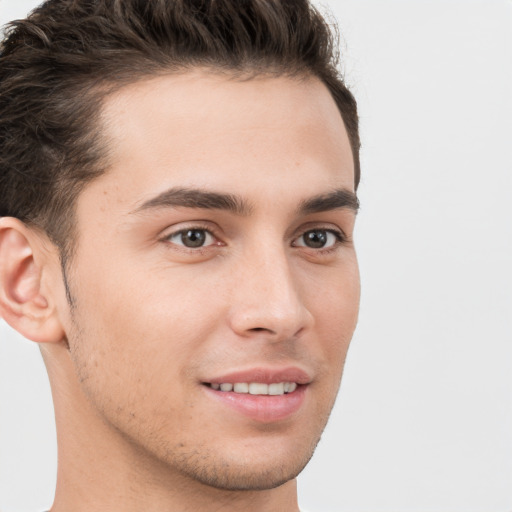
[315, 239]
[193, 238]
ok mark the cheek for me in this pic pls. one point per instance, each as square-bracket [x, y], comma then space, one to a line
[335, 301]
[135, 325]
[335, 309]
[134, 298]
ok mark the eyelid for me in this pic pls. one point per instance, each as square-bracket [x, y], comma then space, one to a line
[321, 226]
[337, 233]
[171, 238]
[188, 226]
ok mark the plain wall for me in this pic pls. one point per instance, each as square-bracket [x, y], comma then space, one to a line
[424, 418]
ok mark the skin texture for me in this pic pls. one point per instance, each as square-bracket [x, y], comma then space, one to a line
[152, 320]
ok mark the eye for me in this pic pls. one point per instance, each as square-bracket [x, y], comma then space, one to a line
[192, 238]
[318, 239]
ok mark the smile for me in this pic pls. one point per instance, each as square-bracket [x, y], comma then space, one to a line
[256, 388]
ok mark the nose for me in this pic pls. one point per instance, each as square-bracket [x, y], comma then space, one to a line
[266, 300]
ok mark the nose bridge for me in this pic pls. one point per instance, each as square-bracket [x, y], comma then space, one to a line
[268, 296]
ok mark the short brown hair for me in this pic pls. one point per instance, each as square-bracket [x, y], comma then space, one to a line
[58, 65]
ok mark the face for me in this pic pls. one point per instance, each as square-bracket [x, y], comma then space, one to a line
[215, 283]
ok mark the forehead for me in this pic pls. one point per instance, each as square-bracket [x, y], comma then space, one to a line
[200, 129]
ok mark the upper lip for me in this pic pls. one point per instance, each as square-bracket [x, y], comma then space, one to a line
[264, 375]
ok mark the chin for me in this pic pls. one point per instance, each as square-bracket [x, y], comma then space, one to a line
[250, 481]
[227, 471]
[247, 477]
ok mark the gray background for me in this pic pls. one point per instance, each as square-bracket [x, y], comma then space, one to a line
[424, 418]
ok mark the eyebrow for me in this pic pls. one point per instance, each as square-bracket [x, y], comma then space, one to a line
[337, 199]
[196, 198]
[208, 200]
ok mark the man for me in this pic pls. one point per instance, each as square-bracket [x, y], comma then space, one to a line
[177, 200]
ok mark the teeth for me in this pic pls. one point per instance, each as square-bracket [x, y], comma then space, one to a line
[276, 389]
[257, 388]
[241, 387]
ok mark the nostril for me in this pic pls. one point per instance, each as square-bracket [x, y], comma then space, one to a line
[261, 329]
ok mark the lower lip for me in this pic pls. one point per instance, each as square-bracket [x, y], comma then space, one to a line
[262, 408]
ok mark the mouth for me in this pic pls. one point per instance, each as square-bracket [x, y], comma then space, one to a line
[255, 388]
[263, 395]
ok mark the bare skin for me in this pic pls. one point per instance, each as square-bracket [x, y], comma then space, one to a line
[209, 248]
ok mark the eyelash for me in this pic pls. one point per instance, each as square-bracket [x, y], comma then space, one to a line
[339, 235]
[198, 250]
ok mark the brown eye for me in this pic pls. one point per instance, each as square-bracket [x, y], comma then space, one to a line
[318, 239]
[192, 238]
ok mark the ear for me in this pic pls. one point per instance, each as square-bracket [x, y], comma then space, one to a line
[24, 304]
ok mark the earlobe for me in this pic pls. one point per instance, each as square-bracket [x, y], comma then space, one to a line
[23, 303]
